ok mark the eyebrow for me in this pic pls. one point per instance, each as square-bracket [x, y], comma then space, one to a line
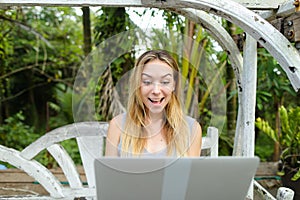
[168, 74]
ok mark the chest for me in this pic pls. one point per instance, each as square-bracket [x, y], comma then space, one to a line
[155, 143]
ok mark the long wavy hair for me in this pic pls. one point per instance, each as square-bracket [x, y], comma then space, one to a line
[175, 126]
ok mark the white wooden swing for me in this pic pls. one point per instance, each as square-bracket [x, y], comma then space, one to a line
[258, 30]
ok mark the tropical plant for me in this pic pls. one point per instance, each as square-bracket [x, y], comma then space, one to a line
[289, 139]
[273, 90]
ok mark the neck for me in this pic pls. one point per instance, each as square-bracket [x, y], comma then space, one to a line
[155, 124]
[155, 117]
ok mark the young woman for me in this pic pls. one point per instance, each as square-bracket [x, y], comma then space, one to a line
[155, 124]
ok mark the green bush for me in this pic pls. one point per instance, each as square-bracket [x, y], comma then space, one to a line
[14, 133]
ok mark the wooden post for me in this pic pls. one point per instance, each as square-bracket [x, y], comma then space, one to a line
[284, 193]
[249, 77]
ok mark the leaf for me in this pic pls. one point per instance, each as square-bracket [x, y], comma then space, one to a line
[280, 173]
[296, 176]
[266, 128]
[284, 119]
[54, 106]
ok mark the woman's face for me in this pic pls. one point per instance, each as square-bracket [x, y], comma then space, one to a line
[157, 85]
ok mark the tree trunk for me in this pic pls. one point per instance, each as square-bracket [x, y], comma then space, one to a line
[231, 100]
[87, 47]
[276, 155]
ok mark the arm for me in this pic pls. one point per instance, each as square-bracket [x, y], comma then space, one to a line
[196, 141]
[113, 137]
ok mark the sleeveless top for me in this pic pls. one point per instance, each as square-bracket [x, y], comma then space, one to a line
[163, 153]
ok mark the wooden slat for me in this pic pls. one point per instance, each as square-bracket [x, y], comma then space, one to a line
[71, 3]
[17, 175]
[211, 141]
[63, 133]
[21, 189]
[67, 165]
[34, 169]
[262, 4]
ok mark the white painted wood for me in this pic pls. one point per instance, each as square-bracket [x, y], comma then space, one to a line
[284, 193]
[71, 3]
[258, 4]
[211, 141]
[90, 149]
[261, 4]
[63, 133]
[249, 75]
[266, 14]
[237, 146]
[87, 192]
[286, 8]
[67, 165]
[244, 138]
[249, 96]
[33, 169]
[263, 192]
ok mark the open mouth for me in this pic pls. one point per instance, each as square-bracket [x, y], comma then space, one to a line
[156, 101]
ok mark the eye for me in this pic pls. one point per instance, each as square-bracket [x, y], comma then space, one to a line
[165, 82]
[146, 82]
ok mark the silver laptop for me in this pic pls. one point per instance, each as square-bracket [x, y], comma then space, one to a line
[203, 178]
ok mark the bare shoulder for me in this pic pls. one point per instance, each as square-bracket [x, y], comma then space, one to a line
[197, 130]
[113, 135]
[115, 126]
[196, 140]
[197, 126]
[117, 120]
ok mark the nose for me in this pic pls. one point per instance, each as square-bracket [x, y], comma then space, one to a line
[156, 88]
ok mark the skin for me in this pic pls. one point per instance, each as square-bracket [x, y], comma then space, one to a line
[156, 87]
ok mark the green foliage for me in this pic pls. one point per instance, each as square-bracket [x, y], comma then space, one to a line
[225, 145]
[15, 133]
[273, 85]
[266, 128]
[264, 147]
[109, 22]
[42, 48]
[61, 108]
[289, 139]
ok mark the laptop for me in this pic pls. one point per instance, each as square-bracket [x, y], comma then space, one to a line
[202, 178]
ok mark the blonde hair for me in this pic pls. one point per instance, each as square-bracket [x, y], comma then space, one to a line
[175, 127]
